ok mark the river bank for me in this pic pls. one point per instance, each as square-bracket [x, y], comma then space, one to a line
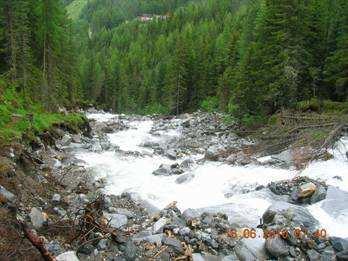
[109, 195]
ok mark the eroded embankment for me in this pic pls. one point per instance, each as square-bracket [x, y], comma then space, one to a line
[97, 195]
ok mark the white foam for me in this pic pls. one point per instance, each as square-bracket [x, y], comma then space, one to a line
[212, 181]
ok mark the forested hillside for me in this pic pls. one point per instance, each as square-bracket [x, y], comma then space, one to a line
[244, 57]
[39, 69]
[37, 51]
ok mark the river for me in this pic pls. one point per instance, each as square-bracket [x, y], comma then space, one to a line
[212, 185]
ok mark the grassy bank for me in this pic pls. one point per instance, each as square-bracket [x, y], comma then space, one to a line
[19, 116]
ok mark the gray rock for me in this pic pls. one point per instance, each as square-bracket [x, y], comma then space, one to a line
[318, 195]
[173, 243]
[126, 212]
[171, 154]
[190, 214]
[313, 255]
[298, 215]
[116, 220]
[214, 152]
[154, 239]
[54, 247]
[342, 256]
[187, 163]
[159, 225]
[107, 203]
[284, 157]
[197, 257]
[61, 212]
[244, 253]
[339, 244]
[37, 218]
[185, 231]
[66, 140]
[130, 250]
[277, 247]
[67, 256]
[56, 199]
[86, 249]
[103, 244]
[7, 194]
[185, 178]
[163, 170]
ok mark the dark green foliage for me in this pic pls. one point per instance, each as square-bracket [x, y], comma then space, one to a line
[254, 57]
[38, 51]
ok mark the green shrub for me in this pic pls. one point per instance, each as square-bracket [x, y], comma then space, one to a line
[210, 104]
[155, 108]
[310, 105]
[251, 121]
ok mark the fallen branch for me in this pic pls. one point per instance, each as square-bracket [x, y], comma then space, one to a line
[37, 242]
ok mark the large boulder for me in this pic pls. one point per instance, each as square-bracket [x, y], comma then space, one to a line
[283, 213]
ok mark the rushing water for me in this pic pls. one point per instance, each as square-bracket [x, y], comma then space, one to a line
[214, 185]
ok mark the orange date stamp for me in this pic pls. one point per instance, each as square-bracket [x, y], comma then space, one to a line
[272, 233]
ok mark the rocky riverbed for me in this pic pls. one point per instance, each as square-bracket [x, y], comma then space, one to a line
[175, 188]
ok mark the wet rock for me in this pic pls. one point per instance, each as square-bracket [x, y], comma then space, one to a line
[319, 195]
[159, 225]
[284, 158]
[342, 256]
[116, 220]
[187, 163]
[163, 170]
[7, 195]
[185, 178]
[339, 244]
[168, 170]
[56, 199]
[171, 154]
[306, 190]
[37, 218]
[277, 247]
[67, 256]
[301, 190]
[281, 212]
[173, 243]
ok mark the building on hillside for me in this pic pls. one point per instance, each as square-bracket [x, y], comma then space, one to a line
[150, 17]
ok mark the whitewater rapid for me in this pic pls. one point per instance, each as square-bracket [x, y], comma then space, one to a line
[214, 185]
